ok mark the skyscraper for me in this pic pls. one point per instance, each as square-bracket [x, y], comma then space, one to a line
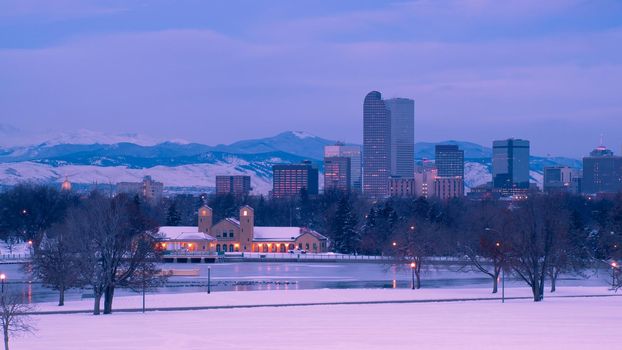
[289, 179]
[337, 174]
[510, 166]
[376, 146]
[402, 136]
[602, 172]
[449, 160]
[352, 152]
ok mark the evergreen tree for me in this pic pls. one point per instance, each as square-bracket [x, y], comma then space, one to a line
[173, 218]
[346, 237]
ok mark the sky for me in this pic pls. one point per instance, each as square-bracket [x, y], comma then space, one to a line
[220, 71]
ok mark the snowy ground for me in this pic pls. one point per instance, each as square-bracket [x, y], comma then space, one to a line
[556, 323]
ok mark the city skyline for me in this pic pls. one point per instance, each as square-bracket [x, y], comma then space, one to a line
[489, 72]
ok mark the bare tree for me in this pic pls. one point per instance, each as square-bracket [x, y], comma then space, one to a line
[415, 242]
[118, 243]
[483, 239]
[14, 317]
[56, 262]
[539, 224]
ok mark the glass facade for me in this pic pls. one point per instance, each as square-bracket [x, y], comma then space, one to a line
[376, 146]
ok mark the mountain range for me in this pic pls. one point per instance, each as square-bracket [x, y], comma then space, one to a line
[86, 157]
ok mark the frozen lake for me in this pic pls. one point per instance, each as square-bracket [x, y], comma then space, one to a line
[245, 276]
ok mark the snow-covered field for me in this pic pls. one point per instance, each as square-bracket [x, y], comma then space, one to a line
[556, 323]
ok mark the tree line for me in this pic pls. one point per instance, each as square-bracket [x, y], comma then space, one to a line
[108, 242]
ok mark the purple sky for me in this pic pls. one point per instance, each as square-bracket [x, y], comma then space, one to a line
[215, 72]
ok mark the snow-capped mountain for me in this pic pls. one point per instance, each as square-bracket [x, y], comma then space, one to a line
[87, 157]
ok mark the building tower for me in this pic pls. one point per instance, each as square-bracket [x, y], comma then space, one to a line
[510, 166]
[352, 152]
[402, 136]
[449, 161]
[602, 172]
[376, 146]
[289, 179]
[247, 225]
[337, 174]
[205, 219]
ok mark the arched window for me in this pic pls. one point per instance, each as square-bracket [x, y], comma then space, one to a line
[265, 248]
[282, 246]
[217, 247]
[291, 246]
[307, 246]
[273, 248]
[230, 247]
[224, 248]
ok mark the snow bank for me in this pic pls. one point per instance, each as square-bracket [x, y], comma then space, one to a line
[568, 324]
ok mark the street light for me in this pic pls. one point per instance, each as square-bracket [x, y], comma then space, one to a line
[614, 266]
[209, 281]
[394, 244]
[413, 265]
[2, 278]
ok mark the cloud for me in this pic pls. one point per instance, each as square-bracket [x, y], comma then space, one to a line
[211, 86]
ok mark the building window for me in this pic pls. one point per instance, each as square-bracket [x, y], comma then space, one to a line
[307, 246]
[291, 246]
[230, 247]
[282, 246]
[224, 248]
[300, 246]
[217, 247]
[231, 233]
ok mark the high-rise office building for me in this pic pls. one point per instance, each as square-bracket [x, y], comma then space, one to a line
[402, 136]
[510, 166]
[289, 179]
[602, 172]
[352, 152]
[376, 146]
[449, 161]
[238, 185]
[337, 174]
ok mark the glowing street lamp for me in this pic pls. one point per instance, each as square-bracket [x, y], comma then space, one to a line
[395, 244]
[2, 278]
[614, 266]
[413, 265]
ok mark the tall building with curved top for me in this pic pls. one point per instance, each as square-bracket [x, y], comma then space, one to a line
[376, 146]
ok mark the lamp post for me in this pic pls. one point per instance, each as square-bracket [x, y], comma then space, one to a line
[413, 265]
[209, 282]
[614, 266]
[2, 278]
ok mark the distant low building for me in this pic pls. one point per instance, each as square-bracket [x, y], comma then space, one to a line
[401, 187]
[238, 185]
[449, 187]
[561, 179]
[239, 235]
[424, 181]
[147, 189]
